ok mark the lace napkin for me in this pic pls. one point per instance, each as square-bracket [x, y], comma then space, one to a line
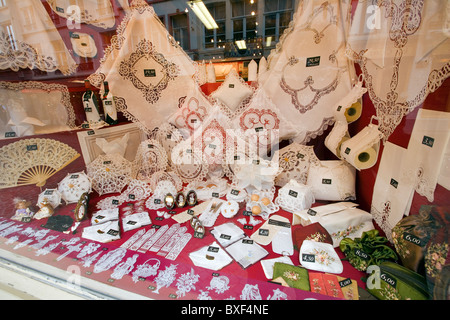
[426, 149]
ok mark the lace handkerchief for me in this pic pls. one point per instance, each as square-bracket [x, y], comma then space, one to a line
[104, 232]
[227, 233]
[73, 186]
[246, 252]
[136, 220]
[103, 216]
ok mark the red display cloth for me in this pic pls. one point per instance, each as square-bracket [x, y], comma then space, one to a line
[238, 277]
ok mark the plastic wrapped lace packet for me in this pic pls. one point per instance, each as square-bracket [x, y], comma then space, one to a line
[211, 257]
[136, 220]
[246, 252]
[102, 216]
[227, 233]
[104, 232]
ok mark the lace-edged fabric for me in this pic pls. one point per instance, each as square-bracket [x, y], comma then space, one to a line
[19, 51]
[153, 73]
[409, 65]
[150, 158]
[98, 13]
[308, 71]
[109, 173]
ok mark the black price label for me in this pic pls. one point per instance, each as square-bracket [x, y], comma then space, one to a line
[263, 232]
[213, 249]
[362, 254]
[428, 141]
[32, 147]
[394, 183]
[308, 258]
[247, 241]
[311, 212]
[389, 279]
[326, 181]
[231, 85]
[293, 193]
[149, 73]
[113, 232]
[258, 129]
[225, 236]
[235, 192]
[215, 195]
[10, 134]
[157, 201]
[313, 61]
[413, 239]
[345, 282]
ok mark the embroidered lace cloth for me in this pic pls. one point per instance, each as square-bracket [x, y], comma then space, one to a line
[404, 58]
[320, 256]
[147, 70]
[99, 13]
[29, 39]
[308, 71]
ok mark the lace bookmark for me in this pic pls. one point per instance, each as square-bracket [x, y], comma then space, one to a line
[135, 246]
[133, 239]
[163, 239]
[172, 241]
[153, 239]
[179, 246]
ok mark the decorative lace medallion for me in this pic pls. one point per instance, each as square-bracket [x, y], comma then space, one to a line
[165, 277]
[73, 186]
[146, 269]
[186, 282]
[109, 260]
[149, 83]
[150, 158]
[109, 173]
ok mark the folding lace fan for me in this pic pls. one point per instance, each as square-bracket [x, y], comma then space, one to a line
[33, 161]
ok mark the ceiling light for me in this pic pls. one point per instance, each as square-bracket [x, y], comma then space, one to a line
[241, 44]
[203, 14]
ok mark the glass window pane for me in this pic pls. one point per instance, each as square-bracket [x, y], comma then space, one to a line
[237, 8]
[238, 36]
[285, 4]
[250, 23]
[270, 5]
[238, 25]
[285, 18]
[271, 21]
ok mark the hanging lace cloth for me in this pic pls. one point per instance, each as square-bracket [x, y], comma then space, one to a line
[147, 70]
[99, 13]
[308, 71]
[29, 39]
[403, 50]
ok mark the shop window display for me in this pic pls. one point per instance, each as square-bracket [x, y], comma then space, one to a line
[137, 145]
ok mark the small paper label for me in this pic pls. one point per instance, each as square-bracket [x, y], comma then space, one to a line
[308, 258]
[247, 241]
[311, 212]
[10, 134]
[279, 223]
[326, 181]
[59, 9]
[149, 73]
[32, 147]
[113, 232]
[413, 239]
[74, 176]
[215, 195]
[48, 192]
[108, 102]
[225, 236]
[263, 232]
[361, 254]
[313, 61]
[107, 162]
[231, 85]
[293, 193]
[428, 141]
[388, 279]
[300, 155]
[235, 192]
[131, 196]
[258, 129]
[213, 249]
[394, 183]
[347, 150]
[345, 282]
[247, 213]
[88, 109]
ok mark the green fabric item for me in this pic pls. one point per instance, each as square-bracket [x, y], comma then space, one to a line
[295, 277]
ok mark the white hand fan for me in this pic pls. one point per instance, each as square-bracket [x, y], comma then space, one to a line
[33, 161]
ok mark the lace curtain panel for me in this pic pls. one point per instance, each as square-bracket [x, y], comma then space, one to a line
[402, 48]
[29, 39]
